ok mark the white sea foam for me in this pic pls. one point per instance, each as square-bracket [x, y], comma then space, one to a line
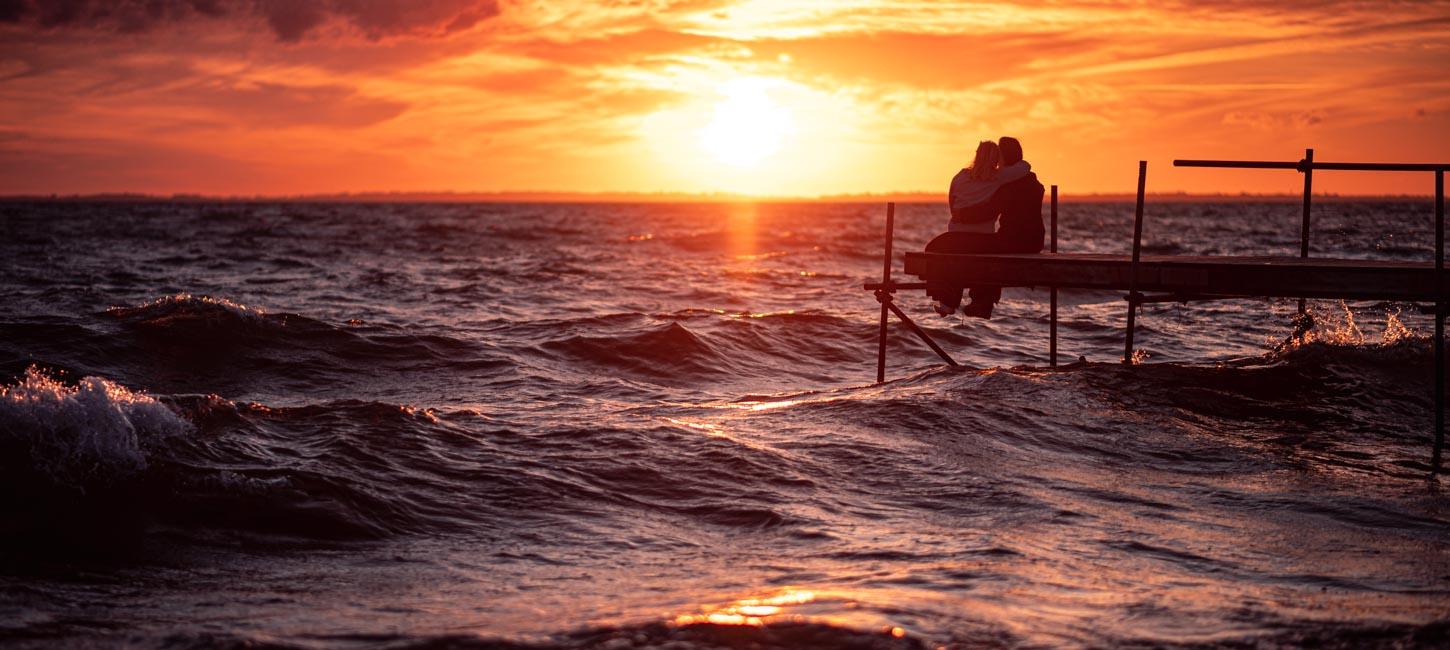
[191, 307]
[85, 435]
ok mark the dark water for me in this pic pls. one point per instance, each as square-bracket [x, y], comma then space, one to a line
[613, 426]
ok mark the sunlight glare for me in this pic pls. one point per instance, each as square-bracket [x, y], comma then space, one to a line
[748, 126]
[750, 611]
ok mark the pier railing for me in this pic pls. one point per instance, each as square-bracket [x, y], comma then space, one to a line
[1307, 166]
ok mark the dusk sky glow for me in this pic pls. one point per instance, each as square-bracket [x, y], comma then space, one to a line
[779, 97]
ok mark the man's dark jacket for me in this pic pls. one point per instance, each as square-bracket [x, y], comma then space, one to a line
[1020, 229]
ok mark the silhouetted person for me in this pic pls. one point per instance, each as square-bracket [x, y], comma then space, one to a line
[970, 196]
[1018, 205]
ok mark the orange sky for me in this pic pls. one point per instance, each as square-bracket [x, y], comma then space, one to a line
[773, 97]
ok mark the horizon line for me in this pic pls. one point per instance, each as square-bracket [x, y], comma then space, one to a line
[566, 196]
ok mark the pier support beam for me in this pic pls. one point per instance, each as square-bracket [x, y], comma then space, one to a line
[883, 293]
[1052, 312]
[885, 298]
[1133, 296]
[886, 280]
[1435, 456]
[1308, 169]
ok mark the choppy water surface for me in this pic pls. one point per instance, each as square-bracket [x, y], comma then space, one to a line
[607, 426]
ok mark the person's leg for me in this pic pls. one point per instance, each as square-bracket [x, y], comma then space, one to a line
[983, 298]
[985, 295]
[950, 297]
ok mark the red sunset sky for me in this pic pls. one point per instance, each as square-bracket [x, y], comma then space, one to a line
[779, 97]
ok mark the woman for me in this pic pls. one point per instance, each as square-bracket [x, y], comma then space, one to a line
[972, 208]
[969, 198]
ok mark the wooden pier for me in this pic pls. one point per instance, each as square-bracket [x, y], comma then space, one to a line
[1168, 278]
[1182, 278]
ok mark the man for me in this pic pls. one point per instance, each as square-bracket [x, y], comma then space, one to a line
[1020, 230]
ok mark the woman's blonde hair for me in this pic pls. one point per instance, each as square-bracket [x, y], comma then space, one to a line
[984, 166]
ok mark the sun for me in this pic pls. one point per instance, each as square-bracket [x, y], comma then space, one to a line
[748, 126]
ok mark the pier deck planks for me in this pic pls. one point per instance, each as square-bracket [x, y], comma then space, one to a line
[1290, 277]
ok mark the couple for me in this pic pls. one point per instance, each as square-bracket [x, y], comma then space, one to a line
[999, 183]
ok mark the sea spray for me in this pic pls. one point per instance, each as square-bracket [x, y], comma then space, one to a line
[83, 436]
[1336, 324]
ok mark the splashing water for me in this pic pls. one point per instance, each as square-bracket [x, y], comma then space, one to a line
[85, 436]
[1395, 330]
[1337, 326]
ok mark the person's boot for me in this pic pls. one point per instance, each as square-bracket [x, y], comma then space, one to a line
[942, 309]
[979, 310]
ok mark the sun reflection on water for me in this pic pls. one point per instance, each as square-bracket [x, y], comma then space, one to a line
[793, 606]
[741, 230]
[767, 406]
[753, 611]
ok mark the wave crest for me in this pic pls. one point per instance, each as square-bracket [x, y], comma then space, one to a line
[81, 437]
[187, 314]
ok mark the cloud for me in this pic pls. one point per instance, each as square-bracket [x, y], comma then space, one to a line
[45, 165]
[276, 105]
[1266, 121]
[290, 20]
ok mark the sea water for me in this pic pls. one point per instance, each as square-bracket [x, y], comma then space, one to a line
[610, 426]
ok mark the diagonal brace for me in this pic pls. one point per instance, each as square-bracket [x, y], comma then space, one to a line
[885, 299]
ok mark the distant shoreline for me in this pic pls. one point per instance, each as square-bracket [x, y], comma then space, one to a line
[666, 197]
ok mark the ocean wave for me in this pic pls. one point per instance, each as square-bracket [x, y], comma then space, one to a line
[346, 469]
[186, 341]
[790, 635]
[705, 346]
[214, 322]
[537, 230]
[82, 437]
[75, 449]
[670, 351]
[1361, 407]
[703, 635]
[342, 469]
[790, 316]
[219, 322]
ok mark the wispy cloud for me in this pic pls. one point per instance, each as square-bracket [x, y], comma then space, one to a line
[290, 20]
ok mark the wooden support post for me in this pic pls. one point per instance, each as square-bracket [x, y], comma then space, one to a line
[885, 279]
[1133, 269]
[1439, 321]
[1052, 313]
[886, 302]
[1304, 227]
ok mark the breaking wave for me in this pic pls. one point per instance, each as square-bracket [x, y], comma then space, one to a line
[82, 437]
